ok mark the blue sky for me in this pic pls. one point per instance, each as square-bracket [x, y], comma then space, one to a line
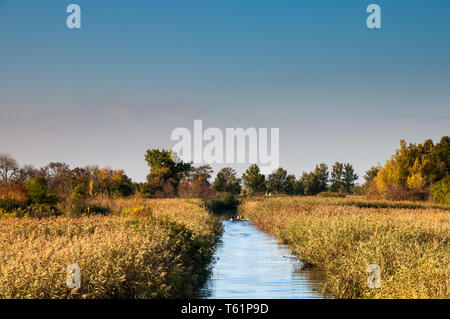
[138, 69]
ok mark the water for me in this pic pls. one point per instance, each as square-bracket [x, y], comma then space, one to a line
[253, 264]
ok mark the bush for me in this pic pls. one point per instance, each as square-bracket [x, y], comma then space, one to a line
[37, 211]
[139, 211]
[78, 200]
[226, 201]
[331, 194]
[196, 189]
[9, 205]
[97, 210]
[441, 191]
[404, 193]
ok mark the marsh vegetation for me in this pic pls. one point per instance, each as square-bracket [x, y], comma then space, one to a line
[411, 244]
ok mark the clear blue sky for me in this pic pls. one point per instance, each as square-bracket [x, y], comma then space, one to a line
[138, 69]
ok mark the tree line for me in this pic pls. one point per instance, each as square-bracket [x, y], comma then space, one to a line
[169, 177]
[27, 189]
[414, 172]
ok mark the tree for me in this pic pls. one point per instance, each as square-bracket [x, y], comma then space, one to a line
[300, 186]
[337, 177]
[81, 176]
[227, 182]
[59, 179]
[321, 173]
[315, 182]
[120, 184]
[39, 192]
[310, 183]
[276, 181]
[200, 174]
[291, 185]
[254, 180]
[196, 184]
[349, 177]
[441, 191]
[165, 173]
[371, 173]
[8, 169]
[413, 169]
[26, 172]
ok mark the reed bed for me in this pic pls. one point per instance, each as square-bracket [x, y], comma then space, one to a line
[411, 246]
[148, 249]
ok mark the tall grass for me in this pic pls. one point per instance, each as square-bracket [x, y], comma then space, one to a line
[160, 254]
[411, 246]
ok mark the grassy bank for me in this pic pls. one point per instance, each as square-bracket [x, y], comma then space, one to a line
[143, 249]
[344, 236]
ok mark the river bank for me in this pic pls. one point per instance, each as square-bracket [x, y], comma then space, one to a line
[143, 249]
[411, 246]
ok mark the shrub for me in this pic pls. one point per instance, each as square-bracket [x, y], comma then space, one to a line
[37, 211]
[441, 191]
[13, 208]
[139, 211]
[78, 200]
[196, 189]
[226, 201]
[9, 205]
[331, 194]
[97, 210]
[399, 192]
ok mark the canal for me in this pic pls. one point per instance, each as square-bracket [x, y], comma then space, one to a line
[252, 264]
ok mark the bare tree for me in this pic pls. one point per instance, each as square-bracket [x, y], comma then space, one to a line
[8, 168]
[26, 172]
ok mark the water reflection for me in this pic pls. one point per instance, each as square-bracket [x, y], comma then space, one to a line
[252, 264]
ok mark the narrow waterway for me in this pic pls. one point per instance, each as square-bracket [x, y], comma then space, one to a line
[252, 264]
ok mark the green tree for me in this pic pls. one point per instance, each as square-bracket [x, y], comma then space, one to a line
[291, 185]
[38, 191]
[349, 178]
[321, 172]
[200, 174]
[337, 178]
[165, 172]
[227, 182]
[310, 183]
[254, 180]
[276, 182]
[120, 184]
[441, 191]
[371, 173]
[78, 199]
[315, 182]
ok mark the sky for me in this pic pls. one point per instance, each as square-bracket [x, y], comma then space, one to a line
[136, 70]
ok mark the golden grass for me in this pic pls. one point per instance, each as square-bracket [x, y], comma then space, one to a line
[163, 254]
[411, 246]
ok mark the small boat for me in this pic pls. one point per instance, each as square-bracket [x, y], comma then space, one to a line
[237, 218]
